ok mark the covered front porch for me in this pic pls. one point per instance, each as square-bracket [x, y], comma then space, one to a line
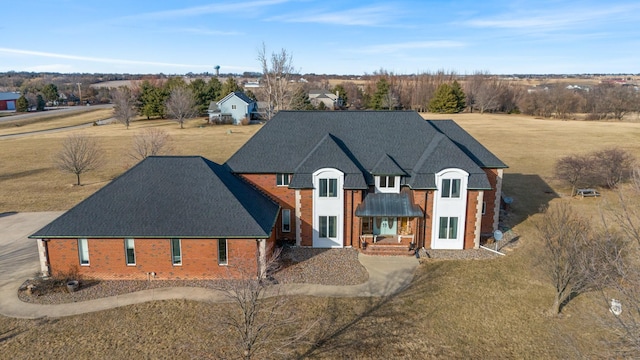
[389, 223]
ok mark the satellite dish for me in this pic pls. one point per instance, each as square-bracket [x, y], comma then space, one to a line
[497, 235]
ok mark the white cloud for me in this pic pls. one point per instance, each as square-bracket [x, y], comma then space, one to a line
[557, 18]
[50, 68]
[215, 8]
[365, 16]
[412, 45]
[202, 31]
[99, 60]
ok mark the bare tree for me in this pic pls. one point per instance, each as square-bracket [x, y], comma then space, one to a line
[565, 239]
[181, 105]
[574, 169]
[259, 316]
[124, 105]
[150, 142]
[79, 154]
[276, 74]
[611, 166]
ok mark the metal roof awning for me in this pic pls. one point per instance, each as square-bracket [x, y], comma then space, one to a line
[384, 204]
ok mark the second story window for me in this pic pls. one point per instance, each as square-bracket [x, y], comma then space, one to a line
[328, 188]
[450, 188]
[233, 107]
[387, 181]
[283, 179]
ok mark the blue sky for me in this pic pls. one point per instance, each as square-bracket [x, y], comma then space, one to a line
[324, 37]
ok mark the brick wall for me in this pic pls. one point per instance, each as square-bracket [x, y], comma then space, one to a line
[284, 196]
[199, 259]
[306, 209]
[489, 200]
[472, 217]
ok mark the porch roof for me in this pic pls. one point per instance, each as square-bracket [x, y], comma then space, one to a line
[388, 204]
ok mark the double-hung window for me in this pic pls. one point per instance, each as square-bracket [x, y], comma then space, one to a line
[286, 220]
[130, 252]
[83, 252]
[176, 252]
[328, 226]
[328, 188]
[450, 188]
[448, 228]
[222, 252]
[283, 179]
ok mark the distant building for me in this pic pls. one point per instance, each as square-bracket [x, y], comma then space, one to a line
[8, 100]
[237, 105]
[330, 100]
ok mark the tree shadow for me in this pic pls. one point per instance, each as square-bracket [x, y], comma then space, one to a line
[21, 174]
[381, 323]
[8, 213]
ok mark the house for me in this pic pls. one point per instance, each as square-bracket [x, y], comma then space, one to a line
[360, 179]
[354, 179]
[330, 100]
[8, 100]
[236, 105]
[174, 217]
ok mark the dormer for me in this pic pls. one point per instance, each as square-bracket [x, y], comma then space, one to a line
[388, 175]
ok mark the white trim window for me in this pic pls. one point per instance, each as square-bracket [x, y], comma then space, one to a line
[387, 182]
[176, 252]
[283, 179]
[83, 252]
[328, 226]
[448, 228]
[450, 188]
[223, 252]
[130, 252]
[233, 107]
[328, 188]
[286, 220]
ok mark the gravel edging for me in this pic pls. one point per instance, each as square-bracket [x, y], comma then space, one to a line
[299, 265]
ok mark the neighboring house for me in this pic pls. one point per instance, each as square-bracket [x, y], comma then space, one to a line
[236, 105]
[348, 179]
[8, 100]
[330, 100]
[165, 218]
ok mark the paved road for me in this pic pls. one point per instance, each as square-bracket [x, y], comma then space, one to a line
[54, 111]
[19, 261]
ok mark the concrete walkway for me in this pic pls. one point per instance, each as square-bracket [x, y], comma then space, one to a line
[19, 261]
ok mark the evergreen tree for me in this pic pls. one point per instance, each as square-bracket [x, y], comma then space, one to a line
[40, 104]
[228, 87]
[22, 104]
[152, 99]
[214, 89]
[342, 93]
[460, 96]
[446, 100]
[50, 93]
[300, 100]
[251, 95]
[382, 90]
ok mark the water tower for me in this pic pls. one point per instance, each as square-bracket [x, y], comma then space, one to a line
[217, 67]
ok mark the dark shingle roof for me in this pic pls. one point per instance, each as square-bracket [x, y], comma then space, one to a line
[412, 144]
[239, 94]
[472, 147]
[177, 197]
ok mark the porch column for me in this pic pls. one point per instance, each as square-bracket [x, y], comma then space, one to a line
[478, 230]
[44, 257]
[262, 258]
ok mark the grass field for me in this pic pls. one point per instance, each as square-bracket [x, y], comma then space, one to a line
[454, 309]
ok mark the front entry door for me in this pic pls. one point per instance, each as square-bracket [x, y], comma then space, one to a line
[386, 226]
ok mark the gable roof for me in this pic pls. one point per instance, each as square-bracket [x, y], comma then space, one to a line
[376, 141]
[170, 197]
[242, 96]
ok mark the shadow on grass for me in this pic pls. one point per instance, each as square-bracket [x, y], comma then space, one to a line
[21, 174]
[8, 213]
[385, 321]
[529, 192]
[9, 334]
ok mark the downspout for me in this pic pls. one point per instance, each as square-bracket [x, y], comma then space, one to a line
[424, 220]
